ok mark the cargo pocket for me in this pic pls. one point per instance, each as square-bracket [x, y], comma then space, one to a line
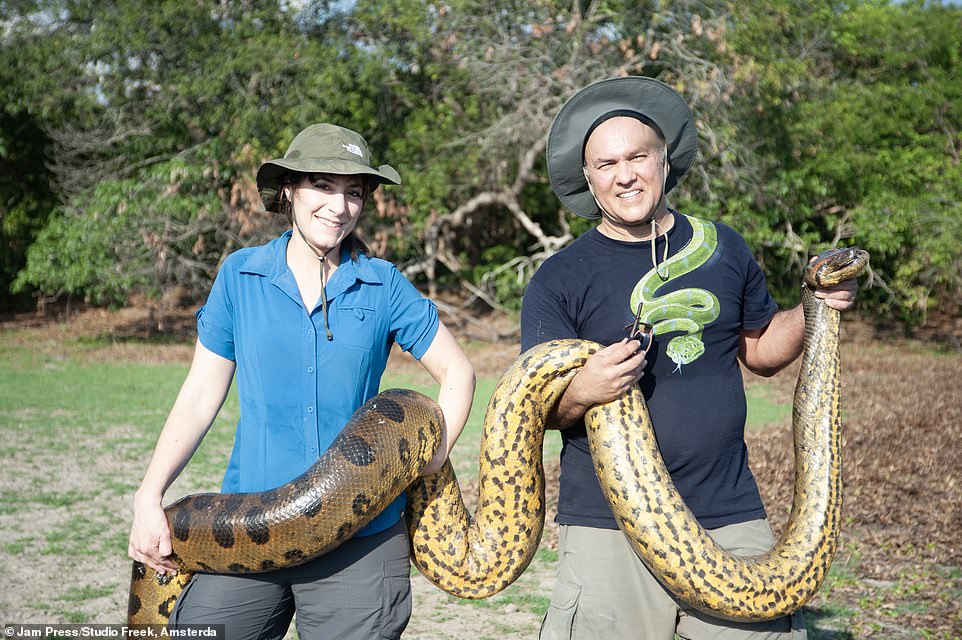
[396, 600]
[558, 623]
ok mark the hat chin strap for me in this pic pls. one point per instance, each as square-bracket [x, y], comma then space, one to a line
[661, 269]
[321, 258]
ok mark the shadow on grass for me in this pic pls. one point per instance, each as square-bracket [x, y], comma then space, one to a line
[819, 623]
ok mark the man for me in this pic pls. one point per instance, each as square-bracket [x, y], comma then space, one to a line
[678, 301]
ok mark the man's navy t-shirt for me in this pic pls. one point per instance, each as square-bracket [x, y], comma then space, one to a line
[697, 402]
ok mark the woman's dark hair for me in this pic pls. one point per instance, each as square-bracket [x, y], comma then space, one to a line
[292, 179]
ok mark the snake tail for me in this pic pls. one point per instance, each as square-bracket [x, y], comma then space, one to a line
[381, 450]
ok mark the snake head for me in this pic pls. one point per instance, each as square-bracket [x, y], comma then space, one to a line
[835, 265]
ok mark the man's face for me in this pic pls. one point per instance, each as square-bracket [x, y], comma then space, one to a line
[625, 164]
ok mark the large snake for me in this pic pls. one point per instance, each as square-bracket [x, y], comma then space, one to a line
[386, 444]
[687, 310]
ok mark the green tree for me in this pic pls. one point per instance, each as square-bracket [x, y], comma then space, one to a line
[854, 113]
[819, 124]
[26, 195]
[477, 86]
[27, 189]
[188, 98]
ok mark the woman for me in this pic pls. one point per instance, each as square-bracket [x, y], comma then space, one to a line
[307, 322]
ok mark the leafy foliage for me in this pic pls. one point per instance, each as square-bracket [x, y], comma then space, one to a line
[27, 193]
[865, 148]
[134, 129]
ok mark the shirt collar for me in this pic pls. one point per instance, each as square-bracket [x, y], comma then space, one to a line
[270, 260]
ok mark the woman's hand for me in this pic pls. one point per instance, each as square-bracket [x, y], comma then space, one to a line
[197, 404]
[150, 537]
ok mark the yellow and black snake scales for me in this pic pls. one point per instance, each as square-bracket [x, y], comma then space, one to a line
[386, 444]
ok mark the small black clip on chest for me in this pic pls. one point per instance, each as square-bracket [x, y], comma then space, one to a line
[640, 331]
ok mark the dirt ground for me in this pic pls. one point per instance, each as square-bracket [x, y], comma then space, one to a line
[901, 545]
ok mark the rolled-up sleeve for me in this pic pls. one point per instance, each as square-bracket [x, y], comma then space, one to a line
[215, 325]
[414, 318]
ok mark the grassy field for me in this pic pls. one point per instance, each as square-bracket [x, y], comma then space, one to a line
[78, 420]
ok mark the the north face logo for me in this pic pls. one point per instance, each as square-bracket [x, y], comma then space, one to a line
[353, 148]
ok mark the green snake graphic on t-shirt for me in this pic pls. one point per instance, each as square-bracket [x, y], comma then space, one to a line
[685, 310]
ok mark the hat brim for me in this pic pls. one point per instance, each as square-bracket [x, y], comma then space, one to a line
[269, 173]
[647, 96]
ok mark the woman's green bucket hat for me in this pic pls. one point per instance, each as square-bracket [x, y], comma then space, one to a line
[322, 148]
[651, 99]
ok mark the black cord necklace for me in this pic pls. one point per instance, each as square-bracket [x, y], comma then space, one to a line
[321, 259]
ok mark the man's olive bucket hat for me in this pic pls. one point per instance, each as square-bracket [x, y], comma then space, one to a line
[650, 100]
[322, 148]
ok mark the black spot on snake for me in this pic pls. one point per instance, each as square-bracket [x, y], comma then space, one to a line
[256, 527]
[361, 504]
[133, 605]
[223, 530]
[165, 607]
[390, 409]
[234, 502]
[357, 451]
[293, 555]
[404, 449]
[180, 525]
[314, 506]
[202, 502]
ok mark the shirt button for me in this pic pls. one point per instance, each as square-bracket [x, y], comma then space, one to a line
[310, 409]
[310, 369]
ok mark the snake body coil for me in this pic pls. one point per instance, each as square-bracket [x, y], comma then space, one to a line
[474, 558]
[477, 556]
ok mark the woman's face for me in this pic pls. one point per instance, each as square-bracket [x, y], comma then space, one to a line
[326, 207]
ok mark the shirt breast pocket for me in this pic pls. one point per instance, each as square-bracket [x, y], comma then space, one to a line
[357, 326]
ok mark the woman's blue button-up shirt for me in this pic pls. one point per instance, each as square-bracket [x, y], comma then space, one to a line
[297, 390]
